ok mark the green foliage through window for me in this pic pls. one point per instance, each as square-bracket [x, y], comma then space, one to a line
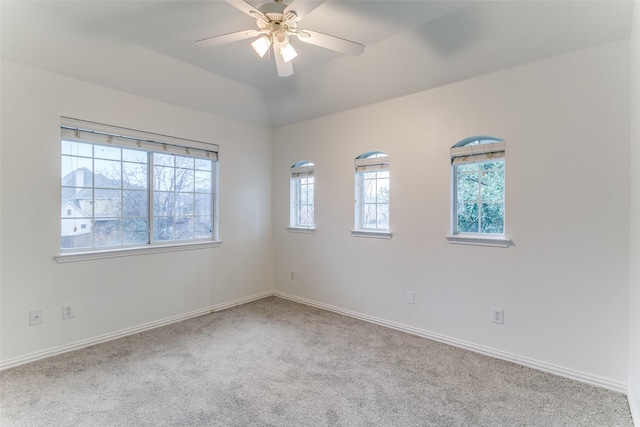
[480, 197]
[478, 185]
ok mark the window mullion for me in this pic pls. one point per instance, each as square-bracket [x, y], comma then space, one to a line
[93, 196]
[361, 201]
[122, 207]
[479, 197]
[174, 199]
[299, 205]
[150, 198]
[454, 197]
[375, 205]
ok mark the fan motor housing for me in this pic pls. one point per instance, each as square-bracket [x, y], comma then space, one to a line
[273, 11]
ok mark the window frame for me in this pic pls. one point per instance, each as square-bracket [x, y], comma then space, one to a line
[101, 135]
[372, 161]
[477, 150]
[299, 171]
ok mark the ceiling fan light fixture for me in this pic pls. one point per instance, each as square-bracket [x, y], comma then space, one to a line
[261, 45]
[288, 52]
[280, 37]
[276, 22]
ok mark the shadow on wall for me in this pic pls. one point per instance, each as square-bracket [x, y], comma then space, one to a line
[452, 33]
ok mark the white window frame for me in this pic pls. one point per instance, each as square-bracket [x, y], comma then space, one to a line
[300, 171]
[373, 161]
[470, 151]
[106, 135]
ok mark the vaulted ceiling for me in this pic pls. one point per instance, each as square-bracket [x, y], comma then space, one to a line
[147, 48]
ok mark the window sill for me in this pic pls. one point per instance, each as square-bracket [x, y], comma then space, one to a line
[301, 230]
[116, 253]
[466, 239]
[371, 234]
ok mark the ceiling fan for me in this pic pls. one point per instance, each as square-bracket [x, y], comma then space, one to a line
[276, 23]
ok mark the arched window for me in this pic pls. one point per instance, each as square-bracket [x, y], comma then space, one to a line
[372, 193]
[478, 186]
[302, 196]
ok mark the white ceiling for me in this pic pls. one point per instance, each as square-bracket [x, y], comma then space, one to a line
[146, 48]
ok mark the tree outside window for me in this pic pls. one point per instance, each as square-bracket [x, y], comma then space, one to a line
[302, 195]
[478, 186]
[372, 192]
[116, 196]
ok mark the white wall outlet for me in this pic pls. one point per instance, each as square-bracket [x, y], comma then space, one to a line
[67, 312]
[35, 317]
[411, 297]
[292, 275]
[497, 315]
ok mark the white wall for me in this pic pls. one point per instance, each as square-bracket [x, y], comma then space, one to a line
[1, 126]
[111, 295]
[634, 296]
[44, 40]
[563, 286]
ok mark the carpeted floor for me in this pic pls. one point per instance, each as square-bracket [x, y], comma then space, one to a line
[277, 363]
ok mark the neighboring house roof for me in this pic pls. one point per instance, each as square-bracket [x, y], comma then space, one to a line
[72, 181]
[86, 194]
[99, 181]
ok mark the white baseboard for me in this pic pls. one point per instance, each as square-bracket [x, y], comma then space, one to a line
[10, 363]
[542, 366]
[525, 361]
[633, 405]
[240, 301]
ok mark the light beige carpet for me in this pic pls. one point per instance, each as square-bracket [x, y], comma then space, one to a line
[277, 363]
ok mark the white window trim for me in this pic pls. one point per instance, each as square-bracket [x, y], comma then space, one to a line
[475, 153]
[298, 172]
[478, 150]
[99, 133]
[372, 234]
[497, 241]
[304, 230]
[367, 164]
[124, 252]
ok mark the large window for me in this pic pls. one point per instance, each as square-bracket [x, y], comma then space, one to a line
[372, 193]
[302, 196]
[123, 188]
[478, 186]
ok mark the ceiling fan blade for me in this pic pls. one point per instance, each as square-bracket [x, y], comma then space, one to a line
[227, 38]
[246, 8]
[302, 7]
[285, 69]
[331, 42]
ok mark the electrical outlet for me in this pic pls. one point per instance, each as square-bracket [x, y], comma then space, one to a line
[411, 297]
[35, 317]
[67, 312]
[292, 275]
[497, 315]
